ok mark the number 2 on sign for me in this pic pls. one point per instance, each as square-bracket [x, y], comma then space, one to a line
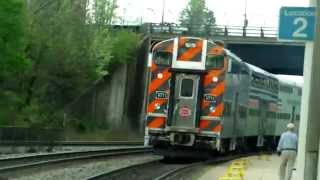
[302, 25]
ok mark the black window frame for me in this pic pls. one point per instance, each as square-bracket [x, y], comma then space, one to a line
[243, 111]
[168, 58]
[182, 88]
[227, 109]
[221, 57]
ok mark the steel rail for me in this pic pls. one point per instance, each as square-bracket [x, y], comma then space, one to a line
[71, 143]
[10, 165]
[165, 174]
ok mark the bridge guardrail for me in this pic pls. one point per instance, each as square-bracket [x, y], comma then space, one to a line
[210, 30]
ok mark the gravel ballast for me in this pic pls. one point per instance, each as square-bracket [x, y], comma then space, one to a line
[85, 170]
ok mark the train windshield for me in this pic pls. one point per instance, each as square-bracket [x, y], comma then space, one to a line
[163, 58]
[215, 61]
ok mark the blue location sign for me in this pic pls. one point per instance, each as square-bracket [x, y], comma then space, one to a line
[297, 23]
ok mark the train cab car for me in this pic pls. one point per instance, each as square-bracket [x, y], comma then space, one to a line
[185, 93]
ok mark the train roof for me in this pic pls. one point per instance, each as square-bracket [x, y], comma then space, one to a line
[290, 79]
[260, 71]
[231, 54]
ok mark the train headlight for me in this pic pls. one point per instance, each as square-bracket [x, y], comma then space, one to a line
[212, 109]
[157, 106]
[159, 75]
[215, 79]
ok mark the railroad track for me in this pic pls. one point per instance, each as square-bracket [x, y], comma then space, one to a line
[181, 172]
[159, 170]
[12, 165]
[71, 143]
[147, 170]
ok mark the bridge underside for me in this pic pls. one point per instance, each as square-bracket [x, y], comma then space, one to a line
[267, 53]
[277, 59]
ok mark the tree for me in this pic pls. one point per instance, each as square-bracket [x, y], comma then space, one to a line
[61, 44]
[12, 37]
[13, 62]
[197, 17]
[51, 52]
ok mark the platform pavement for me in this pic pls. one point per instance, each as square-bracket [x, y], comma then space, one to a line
[265, 167]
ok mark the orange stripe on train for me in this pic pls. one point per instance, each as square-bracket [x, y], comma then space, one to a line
[182, 41]
[208, 78]
[204, 124]
[152, 105]
[216, 91]
[156, 83]
[218, 128]
[215, 73]
[153, 67]
[191, 52]
[157, 122]
[219, 89]
[216, 51]
[218, 111]
[204, 104]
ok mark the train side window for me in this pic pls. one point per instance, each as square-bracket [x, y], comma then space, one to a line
[284, 116]
[243, 112]
[227, 109]
[215, 61]
[186, 88]
[299, 92]
[254, 112]
[286, 89]
[163, 58]
[272, 115]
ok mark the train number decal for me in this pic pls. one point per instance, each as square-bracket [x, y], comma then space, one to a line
[209, 97]
[161, 95]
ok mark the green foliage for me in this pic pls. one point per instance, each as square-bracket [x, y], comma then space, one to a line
[101, 51]
[13, 62]
[53, 51]
[12, 42]
[197, 18]
[125, 44]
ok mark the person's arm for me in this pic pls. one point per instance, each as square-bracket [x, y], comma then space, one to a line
[297, 141]
[280, 144]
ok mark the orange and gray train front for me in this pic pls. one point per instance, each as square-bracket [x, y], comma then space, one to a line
[185, 93]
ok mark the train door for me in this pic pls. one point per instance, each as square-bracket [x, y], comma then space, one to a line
[293, 114]
[262, 122]
[235, 115]
[185, 100]
[235, 128]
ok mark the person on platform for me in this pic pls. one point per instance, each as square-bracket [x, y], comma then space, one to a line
[287, 148]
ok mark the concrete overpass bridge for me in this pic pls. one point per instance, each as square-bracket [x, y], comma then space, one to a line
[256, 45]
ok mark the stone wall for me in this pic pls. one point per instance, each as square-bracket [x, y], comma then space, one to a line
[118, 99]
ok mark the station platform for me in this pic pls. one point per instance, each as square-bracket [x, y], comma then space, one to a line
[263, 167]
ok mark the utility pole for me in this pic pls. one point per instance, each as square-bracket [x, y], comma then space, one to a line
[245, 23]
[163, 7]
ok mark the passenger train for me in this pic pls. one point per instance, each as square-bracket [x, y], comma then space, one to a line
[203, 98]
